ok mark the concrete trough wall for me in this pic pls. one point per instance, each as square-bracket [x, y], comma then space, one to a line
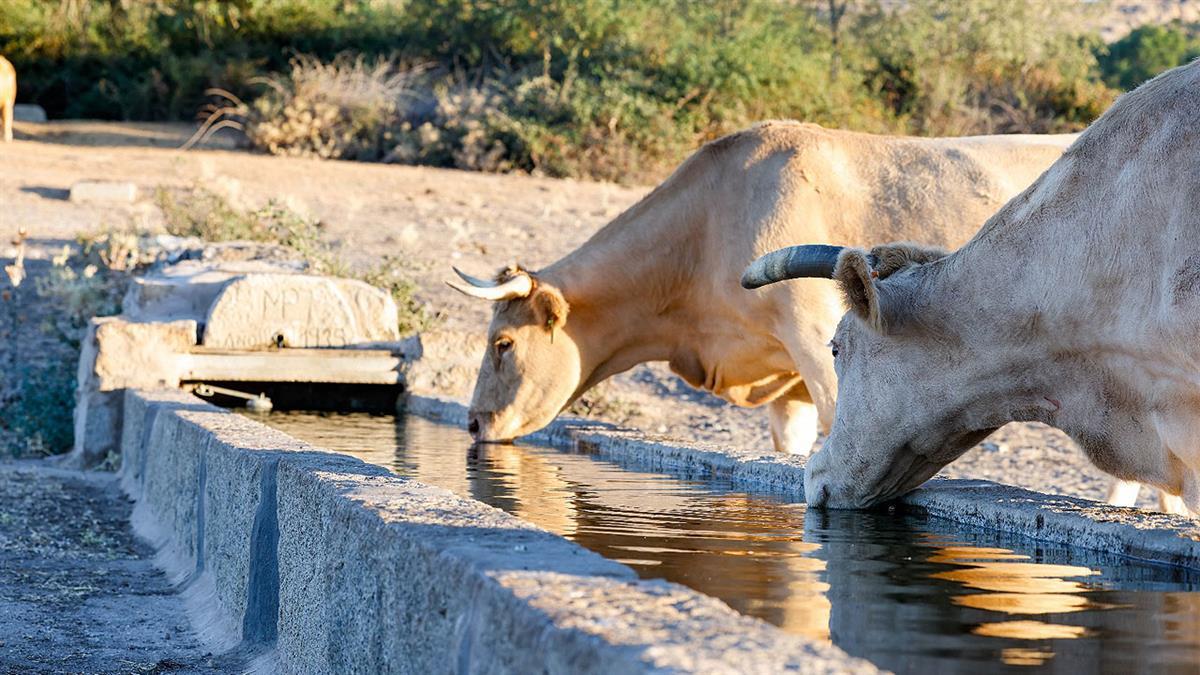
[315, 562]
[1153, 537]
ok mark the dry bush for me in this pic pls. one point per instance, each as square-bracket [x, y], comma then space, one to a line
[346, 109]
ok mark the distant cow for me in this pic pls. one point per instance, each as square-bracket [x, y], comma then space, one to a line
[8, 97]
[659, 283]
[1076, 305]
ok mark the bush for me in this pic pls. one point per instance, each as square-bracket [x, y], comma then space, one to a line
[988, 66]
[345, 109]
[1148, 51]
[613, 89]
[37, 414]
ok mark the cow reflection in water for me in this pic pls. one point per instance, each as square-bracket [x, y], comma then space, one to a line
[961, 603]
[531, 485]
[744, 550]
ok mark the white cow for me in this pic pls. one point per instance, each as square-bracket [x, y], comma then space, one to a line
[1076, 305]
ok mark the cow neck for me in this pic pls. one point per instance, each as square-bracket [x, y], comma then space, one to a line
[1054, 319]
[627, 303]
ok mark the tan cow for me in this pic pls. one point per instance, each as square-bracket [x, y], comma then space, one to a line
[659, 283]
[1076, 305]
[8, 97]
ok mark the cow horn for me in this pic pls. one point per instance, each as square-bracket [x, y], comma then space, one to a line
[519, 286]
[474, 281]
[793, 262]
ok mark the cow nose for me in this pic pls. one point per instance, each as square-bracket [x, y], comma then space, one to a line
[816, 481]
[816, 496]
[473, 428]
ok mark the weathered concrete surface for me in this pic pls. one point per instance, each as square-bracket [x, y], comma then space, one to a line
[78, 592]
[115, 355]
[187, 288]
[321, 563]
[1155, 537]
[240, 296]
[445, 364]
[98, 191]
[264, 310]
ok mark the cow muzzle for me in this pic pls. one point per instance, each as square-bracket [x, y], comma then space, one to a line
[483, 428]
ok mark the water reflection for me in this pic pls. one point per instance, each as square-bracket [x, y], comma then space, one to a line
[912, 596]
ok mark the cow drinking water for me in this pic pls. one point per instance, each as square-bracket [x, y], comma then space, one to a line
[658, 283]
[1077, 305]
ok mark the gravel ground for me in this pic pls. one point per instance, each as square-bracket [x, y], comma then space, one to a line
[78, 593]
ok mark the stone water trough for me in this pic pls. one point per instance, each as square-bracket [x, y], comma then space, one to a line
[308, 561]
[231, 322]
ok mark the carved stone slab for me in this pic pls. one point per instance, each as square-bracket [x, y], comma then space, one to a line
[259, 311]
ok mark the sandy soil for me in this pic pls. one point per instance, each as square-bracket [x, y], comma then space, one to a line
[434, 218]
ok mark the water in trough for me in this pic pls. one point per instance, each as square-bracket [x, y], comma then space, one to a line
[911, 595]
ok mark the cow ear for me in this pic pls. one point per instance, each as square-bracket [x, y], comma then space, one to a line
[550, 307]
[855, 277]
[884, 305]
[891, 258]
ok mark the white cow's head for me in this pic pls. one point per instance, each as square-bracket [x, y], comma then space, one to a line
[909, 372]
[531, 368]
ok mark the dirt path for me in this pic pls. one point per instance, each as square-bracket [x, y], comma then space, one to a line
[78, 592]
[433, 218]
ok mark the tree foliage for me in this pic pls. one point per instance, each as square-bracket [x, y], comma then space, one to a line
[616, 89]
[1146, 52]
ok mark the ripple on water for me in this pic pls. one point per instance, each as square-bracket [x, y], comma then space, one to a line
[910, 595]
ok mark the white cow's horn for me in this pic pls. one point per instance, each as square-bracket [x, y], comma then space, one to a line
[793, 262]
[474, 281]
[519, 286]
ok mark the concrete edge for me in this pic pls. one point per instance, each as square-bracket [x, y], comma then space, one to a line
[1142, 535]
[311, 561]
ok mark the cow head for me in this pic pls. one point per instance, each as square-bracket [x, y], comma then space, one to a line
[909, 394]
[531, 367]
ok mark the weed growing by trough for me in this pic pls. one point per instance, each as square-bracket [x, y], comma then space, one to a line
[206, 215]
[48, 316]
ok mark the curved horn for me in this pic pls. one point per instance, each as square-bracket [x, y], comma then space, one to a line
[474, 281]
[520, 286]
[793, 262]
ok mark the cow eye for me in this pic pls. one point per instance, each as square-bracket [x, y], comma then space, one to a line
[833, 347]
[503, 344]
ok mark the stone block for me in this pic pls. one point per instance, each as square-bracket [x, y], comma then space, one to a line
[104, 192]
[270, 310]
[117, 354]
[29, 112]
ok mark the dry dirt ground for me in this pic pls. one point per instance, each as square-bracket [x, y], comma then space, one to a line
[78, 592]
[434, 218]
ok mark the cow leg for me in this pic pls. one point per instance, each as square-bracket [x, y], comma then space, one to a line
[793, 426]
[8, 121]
[1168, 503]
[1124, 493]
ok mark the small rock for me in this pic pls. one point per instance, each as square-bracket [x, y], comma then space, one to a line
[98, 191]
[29, 112]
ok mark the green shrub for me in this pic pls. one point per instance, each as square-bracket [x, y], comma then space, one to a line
[38, 413]
[986, 66]
[345, 109]
[613, 89]
[1148, 51]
